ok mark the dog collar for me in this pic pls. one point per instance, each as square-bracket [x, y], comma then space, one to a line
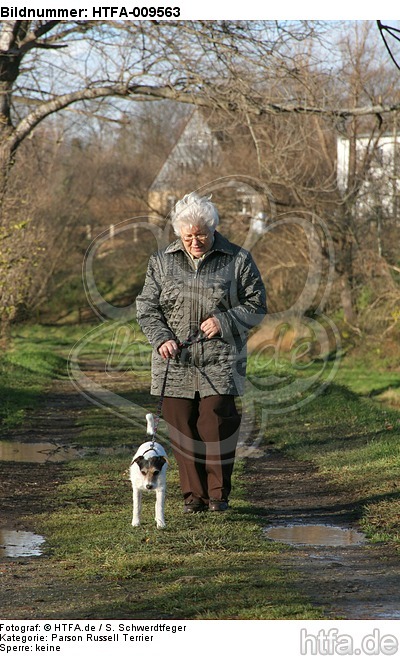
[151, 449]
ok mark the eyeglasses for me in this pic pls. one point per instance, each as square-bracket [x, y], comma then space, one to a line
[188, 239]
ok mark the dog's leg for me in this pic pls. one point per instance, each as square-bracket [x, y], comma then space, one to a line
[137, 506]
[160, 498]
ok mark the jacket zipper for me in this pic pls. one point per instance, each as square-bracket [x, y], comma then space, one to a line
[195, 347]
[196, 319]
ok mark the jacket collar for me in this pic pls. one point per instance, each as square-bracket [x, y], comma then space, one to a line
[221, 244]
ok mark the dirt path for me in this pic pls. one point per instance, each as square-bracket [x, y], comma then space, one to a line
[361, 581]
[356, 582]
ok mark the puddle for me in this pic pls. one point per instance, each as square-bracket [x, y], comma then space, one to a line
[321, 535]
[37, 452]
[19, 544]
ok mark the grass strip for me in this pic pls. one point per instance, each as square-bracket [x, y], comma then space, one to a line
[356, 444]
[205, 566]
[26, 370]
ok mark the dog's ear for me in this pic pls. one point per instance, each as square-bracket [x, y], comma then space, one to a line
[160, 461]
[138, 460]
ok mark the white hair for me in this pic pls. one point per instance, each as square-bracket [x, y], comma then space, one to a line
[194, 210]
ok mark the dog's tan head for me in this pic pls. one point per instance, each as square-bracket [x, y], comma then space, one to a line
[150, 468]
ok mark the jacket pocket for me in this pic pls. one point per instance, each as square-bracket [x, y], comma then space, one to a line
[216, 351]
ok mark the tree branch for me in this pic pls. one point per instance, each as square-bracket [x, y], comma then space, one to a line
[148, 92]
[395, 33]
[140, 92]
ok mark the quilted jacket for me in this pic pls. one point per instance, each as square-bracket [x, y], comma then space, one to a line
[177, 297]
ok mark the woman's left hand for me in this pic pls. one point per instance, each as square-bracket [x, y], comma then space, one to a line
[211, 327]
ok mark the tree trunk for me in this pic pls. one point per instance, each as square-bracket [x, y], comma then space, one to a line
[6, 161]
[344, 266]
[346, 297]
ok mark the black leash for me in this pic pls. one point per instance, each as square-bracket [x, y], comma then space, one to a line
[194, 339]
[160, 402]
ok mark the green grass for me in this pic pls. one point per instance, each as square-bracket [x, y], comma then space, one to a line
[373, 381]
[356, 444]
[200, 567]
[38, 354]
[25, 371]
[208, 566]
[349, 428]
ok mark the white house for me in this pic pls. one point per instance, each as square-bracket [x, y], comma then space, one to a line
[381, 189]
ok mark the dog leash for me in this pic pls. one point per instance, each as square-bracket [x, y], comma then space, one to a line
[160, 403]
[190, 341]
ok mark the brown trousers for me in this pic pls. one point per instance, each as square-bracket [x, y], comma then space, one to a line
[204, 434]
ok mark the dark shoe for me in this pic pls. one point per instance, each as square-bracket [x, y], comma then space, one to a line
[194, 506]
[218, 506]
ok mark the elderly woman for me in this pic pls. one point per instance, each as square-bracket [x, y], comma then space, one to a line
[201, 296]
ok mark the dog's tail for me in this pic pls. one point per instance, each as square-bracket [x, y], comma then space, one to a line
[150, 424]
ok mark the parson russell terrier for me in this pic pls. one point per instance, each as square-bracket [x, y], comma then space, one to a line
[148, 472]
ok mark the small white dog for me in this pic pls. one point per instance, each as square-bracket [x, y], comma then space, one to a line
[148, 472]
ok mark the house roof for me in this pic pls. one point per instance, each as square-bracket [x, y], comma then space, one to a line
[195, 146]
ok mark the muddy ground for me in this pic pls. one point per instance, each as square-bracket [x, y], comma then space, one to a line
[352, 582]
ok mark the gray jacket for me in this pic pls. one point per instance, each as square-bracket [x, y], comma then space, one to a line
[177, 297]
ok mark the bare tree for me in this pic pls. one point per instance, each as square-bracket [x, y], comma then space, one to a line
[297, 152]
[47, 66]
[247, 71]
[86, 67]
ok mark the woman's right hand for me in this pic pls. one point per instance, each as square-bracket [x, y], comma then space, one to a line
[169, 349]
